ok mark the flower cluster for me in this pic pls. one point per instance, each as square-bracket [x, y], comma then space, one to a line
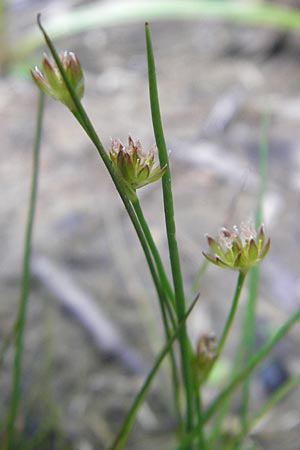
[238, 248]
[133, 166]
[52, 83]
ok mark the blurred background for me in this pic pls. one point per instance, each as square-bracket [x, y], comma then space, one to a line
[93, 322]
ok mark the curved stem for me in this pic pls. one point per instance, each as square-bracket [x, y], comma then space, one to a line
[21, 318]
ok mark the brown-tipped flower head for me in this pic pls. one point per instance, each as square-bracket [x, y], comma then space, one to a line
[238, 248]
[52, 83]
[134, 167]
[206, 354]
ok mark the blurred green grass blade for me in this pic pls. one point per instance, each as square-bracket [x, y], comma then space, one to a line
[122, 12]
[268, 406]
[263, 167]
[249, 330]
[23, 302]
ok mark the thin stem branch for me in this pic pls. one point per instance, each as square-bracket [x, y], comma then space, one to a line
[231, 315]
[8, 340]
[167, 305]
[156, 256]
[21, 318]
[230, 318]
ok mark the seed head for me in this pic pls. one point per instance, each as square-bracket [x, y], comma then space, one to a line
[52, 83]
[238, 248]
[134, 167]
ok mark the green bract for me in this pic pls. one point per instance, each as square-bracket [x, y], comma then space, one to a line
[238, 248]
[52, 83]
[133, 166]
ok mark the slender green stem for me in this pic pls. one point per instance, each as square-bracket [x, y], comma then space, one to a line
[21, 318]
[171, 232]
[215, 431]
[248, 338]
[7, 342]
[240, 377]
[156, 256]
[199, 412]
[166, 286]
[168, 302]
[199, 276]
[168, 289]
[130, 417]
[231, 316]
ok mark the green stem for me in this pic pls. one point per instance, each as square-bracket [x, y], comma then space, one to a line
[248, 338]
[130, 417]
[7, 342]
[156, 256]
[240, 377]
[171, 232]
[21, 318]
[231, 316]
[168, 302]
[199, 411]
[215, 431]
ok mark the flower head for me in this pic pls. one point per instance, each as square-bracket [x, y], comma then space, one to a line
[134, 167]
[52, 83]
[206, 354]
[238, 248]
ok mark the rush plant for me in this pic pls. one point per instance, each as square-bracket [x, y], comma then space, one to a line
[199, 425]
